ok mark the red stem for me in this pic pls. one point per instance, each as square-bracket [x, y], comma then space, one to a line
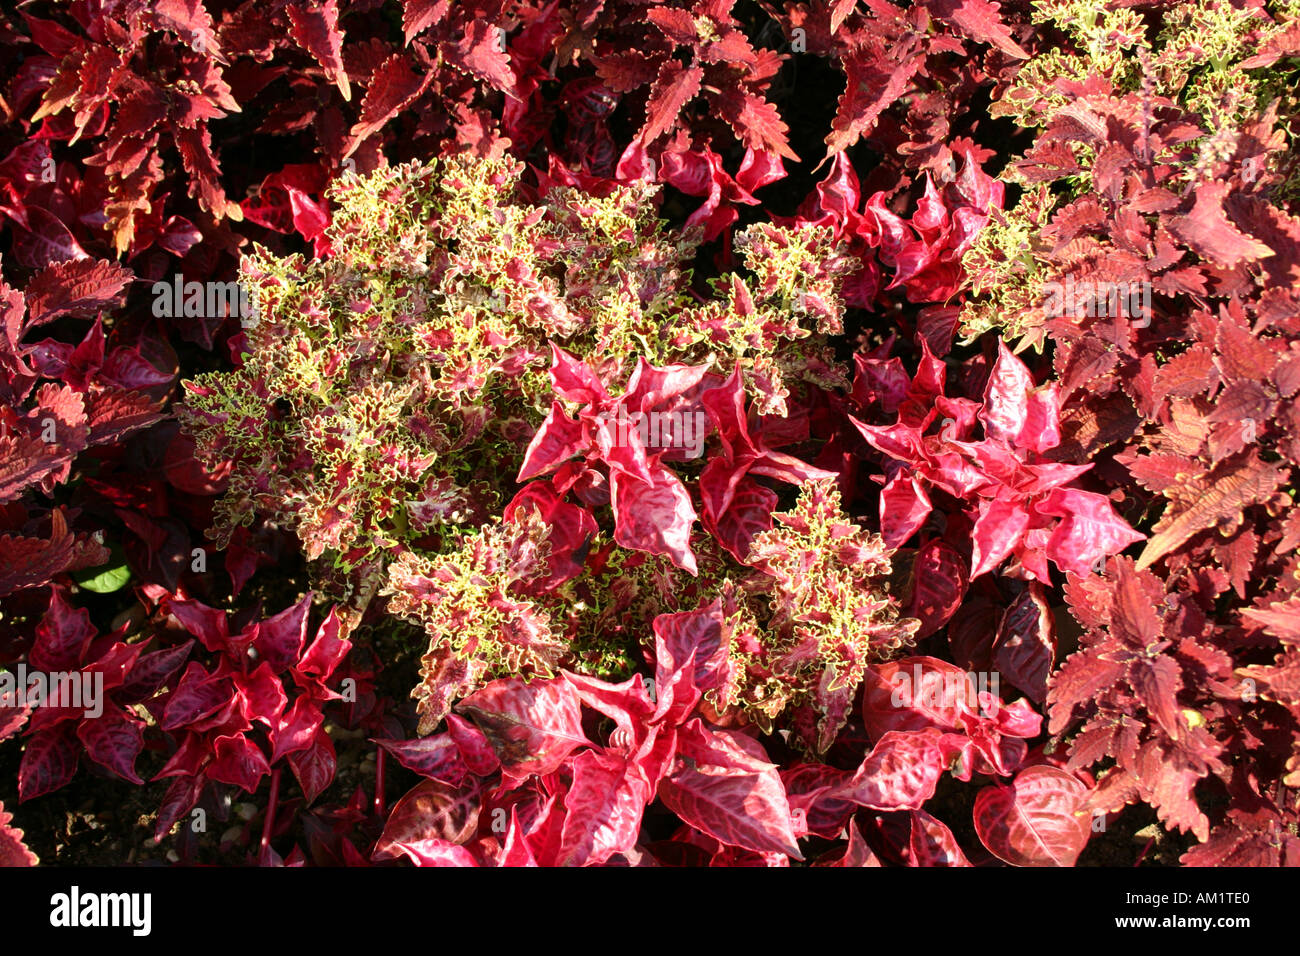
[269, 822]
[1143, 855]
[381, 802]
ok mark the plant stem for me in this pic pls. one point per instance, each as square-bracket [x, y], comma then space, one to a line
[269, 822]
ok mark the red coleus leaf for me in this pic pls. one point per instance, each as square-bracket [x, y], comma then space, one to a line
[74, 287]
[654, 516]
[190, 21]
[13, 852]
[49, 761]
[31, 562]
[1209, 233]
[900, 773]
[674, 87]
[932, 843]
[603, 809]
[939, 585]
[314, 26]
[479, 51]
[1025, 647]
[114, 741]
[393, 86]
[238, 761]
[876, 76]
[677, 25]
[12, 717]
[1036, 820]
[917, 693]
[724, 786]
[532, 727]
[419, 15]
[430, 811]
[980, 20]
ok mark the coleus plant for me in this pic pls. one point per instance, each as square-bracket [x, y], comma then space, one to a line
[444, 405]
[13, 852]
[60, 403]
[1018, 500]
[212, 714]
[421, 353]
[258, 707]
[924, 251]
[1172, 180]
[911, 72]
[572, 770]
[130, 107]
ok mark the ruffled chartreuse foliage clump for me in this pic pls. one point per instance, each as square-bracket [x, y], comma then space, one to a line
[395, 398]
[1156, 141]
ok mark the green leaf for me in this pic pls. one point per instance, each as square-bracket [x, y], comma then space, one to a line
[104, 580]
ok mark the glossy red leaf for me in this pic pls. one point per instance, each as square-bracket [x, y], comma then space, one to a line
[904, 506]
[1036, 820]
[279, 639]
[532, 727]
[314, 766]
[938, 586]
[431, 810]
[328, 649]
[295, 729]
[239, 761]
[724, 785]
[49, 761]
[900, 773]
[475, 748]
[114, 741]
[1024, 650]
[654, 516]
[932, 843]
[436, 757]
[603, 809]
